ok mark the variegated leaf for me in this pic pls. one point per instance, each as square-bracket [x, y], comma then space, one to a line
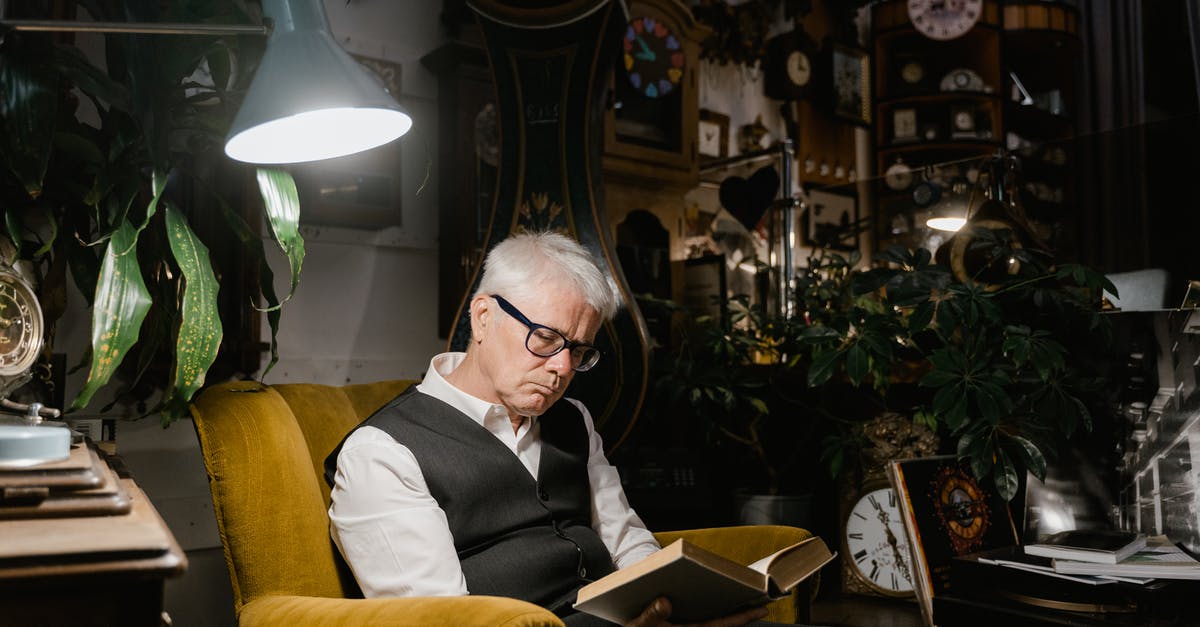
[120, 306]
[282, 204]
[200, 331]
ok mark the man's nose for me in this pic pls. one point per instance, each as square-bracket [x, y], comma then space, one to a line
[559, 363]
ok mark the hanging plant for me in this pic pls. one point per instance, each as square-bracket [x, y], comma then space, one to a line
[113, 168]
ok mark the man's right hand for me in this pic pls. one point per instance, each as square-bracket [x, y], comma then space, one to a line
[657, 613]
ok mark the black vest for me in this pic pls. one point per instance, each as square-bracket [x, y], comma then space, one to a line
[515, 537]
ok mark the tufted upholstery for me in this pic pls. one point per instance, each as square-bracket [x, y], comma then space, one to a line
[263, 449]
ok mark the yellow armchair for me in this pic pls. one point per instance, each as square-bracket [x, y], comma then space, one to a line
[263, 449]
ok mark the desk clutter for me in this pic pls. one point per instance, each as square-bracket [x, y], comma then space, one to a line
[83, 484]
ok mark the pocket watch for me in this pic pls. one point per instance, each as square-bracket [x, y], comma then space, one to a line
[898, 176]
[876, 556]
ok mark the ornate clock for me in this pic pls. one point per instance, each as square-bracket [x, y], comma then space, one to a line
[20, 330]
[874, 546]
[944, 19]
[654, 58]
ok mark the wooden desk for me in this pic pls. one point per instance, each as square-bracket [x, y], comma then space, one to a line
[94, 570]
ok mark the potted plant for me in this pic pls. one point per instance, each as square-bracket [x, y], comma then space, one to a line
[1000, 367]
[112, 179]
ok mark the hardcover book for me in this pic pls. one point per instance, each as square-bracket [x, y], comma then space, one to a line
[1158, 559]
[947, 513]
[700, 584]
[1102, 546]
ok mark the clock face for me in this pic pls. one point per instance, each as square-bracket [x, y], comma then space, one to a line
[964, 121]
[654, 59]
[912, 72]
[799, 68]
[898, 176]
[876, 546]
[20, 325]
[944, 19]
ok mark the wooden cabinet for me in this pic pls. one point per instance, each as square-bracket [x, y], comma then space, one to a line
[945, 106]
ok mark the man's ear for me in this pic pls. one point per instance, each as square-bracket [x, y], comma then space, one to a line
[481, 316]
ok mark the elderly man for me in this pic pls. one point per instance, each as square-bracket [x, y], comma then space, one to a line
[482, 479]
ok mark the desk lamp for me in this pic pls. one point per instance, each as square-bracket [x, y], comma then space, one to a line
[309, 99]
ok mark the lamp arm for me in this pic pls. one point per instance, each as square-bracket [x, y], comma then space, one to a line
[158, 28]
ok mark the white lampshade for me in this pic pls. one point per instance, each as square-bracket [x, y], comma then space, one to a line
[309, 99]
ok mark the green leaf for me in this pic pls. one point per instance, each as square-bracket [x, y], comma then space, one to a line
[822, 367]
[1006, 479]
[200, 331]
[28, 114]
[282, 204]
[120, 306]
[857, 362]
[1030, 455]
[266, 278]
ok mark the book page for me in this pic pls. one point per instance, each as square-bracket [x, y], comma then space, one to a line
[791, 565]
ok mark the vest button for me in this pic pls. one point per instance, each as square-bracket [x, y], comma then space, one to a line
[544, 495]
[582, 573]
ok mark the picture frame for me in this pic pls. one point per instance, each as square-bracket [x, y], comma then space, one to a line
[904, 125]
[362, 190]
[713, 134]
[851, 76]
[831, 220]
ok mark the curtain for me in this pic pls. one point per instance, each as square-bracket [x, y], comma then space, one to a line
[1111, 231]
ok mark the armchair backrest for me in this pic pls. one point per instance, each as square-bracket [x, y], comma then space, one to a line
[264, 448]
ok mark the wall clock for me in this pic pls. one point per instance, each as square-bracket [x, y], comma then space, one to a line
[944, 19]
[654, 59]
[875, 553]
[790, 66]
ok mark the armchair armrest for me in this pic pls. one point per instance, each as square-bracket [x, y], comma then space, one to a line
[465, 611]
[747, 544]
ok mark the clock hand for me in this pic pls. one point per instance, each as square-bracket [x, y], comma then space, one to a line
[891, 538]
[646, 54]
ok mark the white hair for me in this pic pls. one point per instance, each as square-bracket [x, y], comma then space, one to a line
[524, 263]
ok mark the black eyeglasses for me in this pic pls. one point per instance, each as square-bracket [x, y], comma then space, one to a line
[546, 342]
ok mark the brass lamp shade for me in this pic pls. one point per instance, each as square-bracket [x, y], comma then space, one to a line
[309, 99]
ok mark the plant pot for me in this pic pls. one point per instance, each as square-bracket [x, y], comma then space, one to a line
[773, 509]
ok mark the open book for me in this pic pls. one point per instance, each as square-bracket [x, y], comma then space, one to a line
[700, 584]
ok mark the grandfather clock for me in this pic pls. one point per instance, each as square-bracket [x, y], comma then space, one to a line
[550, 65]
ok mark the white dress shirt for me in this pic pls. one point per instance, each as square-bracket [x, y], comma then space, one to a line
[395, 536]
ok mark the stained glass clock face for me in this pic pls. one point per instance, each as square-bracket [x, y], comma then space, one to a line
[654, 59]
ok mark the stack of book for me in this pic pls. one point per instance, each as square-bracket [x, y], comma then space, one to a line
[1115, 555]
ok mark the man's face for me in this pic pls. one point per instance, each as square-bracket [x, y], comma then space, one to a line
[521, 381]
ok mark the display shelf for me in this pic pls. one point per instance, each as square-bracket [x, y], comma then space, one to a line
[1007, 84]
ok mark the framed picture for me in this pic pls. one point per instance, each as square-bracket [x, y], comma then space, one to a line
[904, 124]
[714, 134]
[361, 190]
[831, 220]
[851, 83]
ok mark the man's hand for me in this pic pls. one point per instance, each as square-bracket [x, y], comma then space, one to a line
[657, 613]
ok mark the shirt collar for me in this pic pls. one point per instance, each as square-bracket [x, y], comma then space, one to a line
[436, 385]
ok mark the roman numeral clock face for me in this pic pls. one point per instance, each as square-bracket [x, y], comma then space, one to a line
[876, 549]
[944, 19]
